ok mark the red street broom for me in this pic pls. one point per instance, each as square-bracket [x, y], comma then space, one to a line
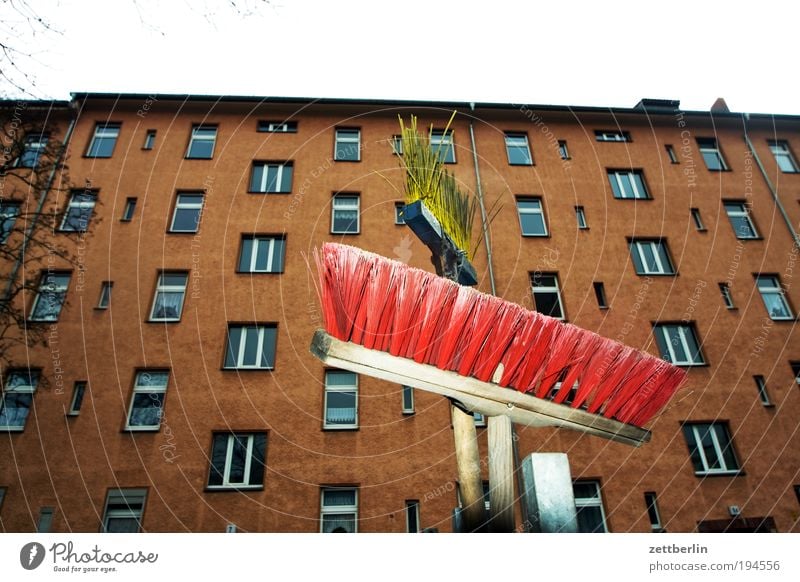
[389, 320]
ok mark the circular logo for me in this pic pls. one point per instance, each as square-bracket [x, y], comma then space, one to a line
[31, 555]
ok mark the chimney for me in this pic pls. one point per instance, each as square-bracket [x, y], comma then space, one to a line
[720, 106]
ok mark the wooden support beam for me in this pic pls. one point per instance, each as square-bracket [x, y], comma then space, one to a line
[501, 474]
[473, 512]
[483, 397]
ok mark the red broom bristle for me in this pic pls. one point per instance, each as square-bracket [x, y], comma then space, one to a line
[388, 306]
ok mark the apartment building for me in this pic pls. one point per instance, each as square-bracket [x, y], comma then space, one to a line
[176, 391]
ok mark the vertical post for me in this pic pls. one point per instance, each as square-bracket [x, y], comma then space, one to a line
[548, 493]
[501, 474]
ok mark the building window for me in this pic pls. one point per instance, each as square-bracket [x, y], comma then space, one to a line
[79, 211]
[271, 177]
[442, 144]
[262, 254]
[237, 461]
[611, 135]
[168, 302]
[277, 127]
[711, 154]
[32, 149]
[147, 400]
[546, 294]
[78, 391]
[50, 298]
[600, 294]
[739, 215]
[774, 297]
[45, 520]
[341, 399]
[201, 142]
[8, 216]
[796, 494]
[348, 145]
[339, 510]
[3, 496]
[397, 145]
[480, 419]
[105, 295]
[149, 139]
[796, 371]
[345, 215]
[251, 347]
[399, 209]
[727, 298]
[408, 400]
[17, 398]
[580, 216]
[412, 516]
[563, 151]
[673, 157]
[130, 209]
[651, 501]
[698, 221]
[124, 509]
[103, 141]
[589, 505]
[678, 344]
[187, 214]
[783, 156]
[627, 184]
[531, 217]
[761, 387]
[517, 149]
[710, 448]
[650, 257]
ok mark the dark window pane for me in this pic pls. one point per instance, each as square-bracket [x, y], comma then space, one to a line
[590, 520]
[277, 255]
[247, 254]
[186, 219]
[258, 459]
[146, 409]
[219, 452]
[268, 352]
[232, 351]
[341, 408]
[250, 346]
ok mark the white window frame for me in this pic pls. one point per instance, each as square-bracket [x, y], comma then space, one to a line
[186, 205]
[708, 149]
[196, 135]
[761, 388]
[549, 289]
[343, 137]
[105, 295]
[103, 131]
[771, 285]
[76, 402]
[651, 501]
[280, 167]
[340, 388]
[339, 203]
[580, 216]
[521, 140]
[593, 501]
[48, 289]
[412, 508]
[130, 209]
[131, 512]
[239, 364]
[634, 189]
[248, 462]
[663, 329]
[611, 135]
[257, 241]
[164, 288]
[727, 298]
[277, 126]
[407, 398]
[780, 150]
[79, 206]
[654, 246]
[698, 220]
[563, 150]
[338, 509]
[149, 139]
[531, 210]
[35, 144]
[707, 470]
[740, 212]
[139, 388]
[27, 388]
[440, 139]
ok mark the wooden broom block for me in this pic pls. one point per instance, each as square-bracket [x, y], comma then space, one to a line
[484, 397]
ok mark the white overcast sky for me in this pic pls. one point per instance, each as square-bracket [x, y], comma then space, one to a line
[608, 53]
